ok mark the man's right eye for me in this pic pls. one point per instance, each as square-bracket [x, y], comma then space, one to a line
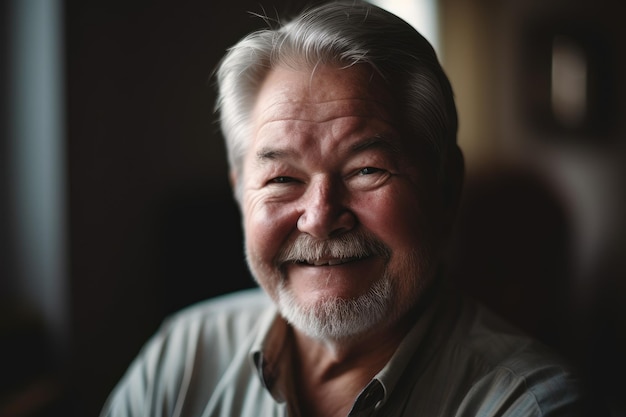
[281, 180]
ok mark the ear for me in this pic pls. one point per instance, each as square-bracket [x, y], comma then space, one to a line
[232, 178]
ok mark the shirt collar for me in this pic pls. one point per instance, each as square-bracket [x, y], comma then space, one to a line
[419, 344]
[269, 351]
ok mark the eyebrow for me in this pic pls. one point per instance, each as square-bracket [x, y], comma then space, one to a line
[378, 141]
[269, 154]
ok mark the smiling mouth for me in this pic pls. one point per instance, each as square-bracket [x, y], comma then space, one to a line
[327, 262]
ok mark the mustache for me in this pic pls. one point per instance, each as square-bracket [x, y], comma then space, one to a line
[358, 244]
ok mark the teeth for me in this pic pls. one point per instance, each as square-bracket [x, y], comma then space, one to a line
[329, 262]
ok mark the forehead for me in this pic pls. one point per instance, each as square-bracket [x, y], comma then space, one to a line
[321, 94]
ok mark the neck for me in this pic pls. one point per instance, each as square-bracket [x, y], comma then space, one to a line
[331, 373]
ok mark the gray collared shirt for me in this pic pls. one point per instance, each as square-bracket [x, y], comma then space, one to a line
[228, 357]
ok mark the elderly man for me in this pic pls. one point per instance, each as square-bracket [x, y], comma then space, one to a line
[340, 128]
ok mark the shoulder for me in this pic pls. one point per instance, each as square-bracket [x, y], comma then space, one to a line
[514, 372]
[217, 325]
[194, 347]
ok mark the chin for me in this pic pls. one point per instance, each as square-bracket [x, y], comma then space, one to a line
[338, 318]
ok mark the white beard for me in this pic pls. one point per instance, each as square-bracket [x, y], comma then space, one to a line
[337, 318]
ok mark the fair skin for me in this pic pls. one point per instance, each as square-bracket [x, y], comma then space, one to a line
[329, 157]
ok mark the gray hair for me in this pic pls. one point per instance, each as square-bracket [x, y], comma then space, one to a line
[340, 33]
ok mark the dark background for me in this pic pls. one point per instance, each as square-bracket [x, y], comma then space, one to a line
[151, 225]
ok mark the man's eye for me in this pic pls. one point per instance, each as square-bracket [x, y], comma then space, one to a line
[281, 180]
[368, 171]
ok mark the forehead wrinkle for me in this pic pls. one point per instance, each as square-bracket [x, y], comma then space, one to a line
[376, 142]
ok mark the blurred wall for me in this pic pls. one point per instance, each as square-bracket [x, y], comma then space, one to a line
[34, 319]
[545, 194]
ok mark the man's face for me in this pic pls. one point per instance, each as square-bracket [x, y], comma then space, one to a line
[338, 215]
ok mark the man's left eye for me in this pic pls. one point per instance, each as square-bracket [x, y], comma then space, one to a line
[368, 171]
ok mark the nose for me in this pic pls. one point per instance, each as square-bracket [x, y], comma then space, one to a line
[324, 213]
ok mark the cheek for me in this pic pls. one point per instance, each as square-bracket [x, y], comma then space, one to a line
[396, 218]
[266, 229]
